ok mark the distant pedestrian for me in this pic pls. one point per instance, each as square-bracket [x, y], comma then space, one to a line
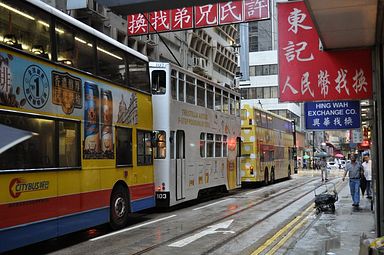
[323, 168]
[354, 170]
[367, 166]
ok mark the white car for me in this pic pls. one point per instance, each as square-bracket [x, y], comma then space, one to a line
[332, 165]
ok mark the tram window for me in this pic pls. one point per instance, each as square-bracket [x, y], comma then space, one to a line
[174, 85]
[218, 100]
[123, 146]
[200, 93]
[158, 82]
[243, 114]
[269, 121]
[52, 143]
[210, 97]
[111, 63]
[24, 27]
[181, 86]
[232, 105]
[225, 104]
[225, 146]
[172, 144]
[190, 90]
[218, 146]
[263, 120]
[160, 148]
[210, 145]
[144, 148]
[202, 145]
[75, 48]
[138, 73]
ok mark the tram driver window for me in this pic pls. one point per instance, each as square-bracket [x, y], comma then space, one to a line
[160, 148]
[158, 82]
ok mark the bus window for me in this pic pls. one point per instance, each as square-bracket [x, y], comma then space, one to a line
[53, 144]
[181, 86]
[202, 145]
[174, 84]
[190, 89]
[218, 100]
[210, 96]
[218, 146]
[111, 63]
[123, 146]
[225, 102]
[158, 82]
[225, 146]
[200, 93]
[75, 48]
[24, 27]
[144, 148]
[160, 148]
[210, 145]
[138, 74]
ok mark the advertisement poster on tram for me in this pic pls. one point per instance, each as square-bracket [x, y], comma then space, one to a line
[306, 72]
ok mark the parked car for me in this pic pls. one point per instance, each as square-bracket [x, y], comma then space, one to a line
[332, 165]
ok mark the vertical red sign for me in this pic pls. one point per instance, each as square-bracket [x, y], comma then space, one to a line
[256, 10]
[182, 18]
[137, 24]
[160, 21]
[306, 73]
[206, 15]
[230, 12]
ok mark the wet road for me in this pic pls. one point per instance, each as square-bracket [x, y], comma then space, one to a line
[243, 222]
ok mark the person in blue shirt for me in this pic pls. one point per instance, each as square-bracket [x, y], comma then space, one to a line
[354, 170]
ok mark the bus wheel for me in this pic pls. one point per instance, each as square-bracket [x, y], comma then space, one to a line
[272, 176]
[119, 208]
[266, 181]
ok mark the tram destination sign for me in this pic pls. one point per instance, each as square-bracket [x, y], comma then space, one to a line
[331, 115]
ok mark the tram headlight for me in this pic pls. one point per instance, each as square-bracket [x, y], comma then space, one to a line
[251, 170]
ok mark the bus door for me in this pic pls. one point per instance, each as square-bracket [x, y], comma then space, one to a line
[180, 164]
[238, 157]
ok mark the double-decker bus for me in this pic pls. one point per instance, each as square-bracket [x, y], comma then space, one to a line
[197, 135]
[76, 108]
[267, 146]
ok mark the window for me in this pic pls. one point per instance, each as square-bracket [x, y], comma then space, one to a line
[237, 106]
[160, 149]
[269, 121]
[232, 105]
[218, 144]
[252, 71]
[144, 149]
[181, 87]
[123, 146]
[53, 143]
[29, 32]
[138, 74]
[190, 90]
[209, 97]
[200, 93]
[274, 92]
[225, 102]
[243, 114]
[111, 63]
[75, 48]
[267, 92]
[174, 84]
[202, 145]
[225, 146]
[158, 82]
[263, 119]
[172, 144]
[210, 144]
[259, 93]
[218, 100]
[257, 119]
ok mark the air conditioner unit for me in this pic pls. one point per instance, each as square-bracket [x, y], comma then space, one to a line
[199, 62]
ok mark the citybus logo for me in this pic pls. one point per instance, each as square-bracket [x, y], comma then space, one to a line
[19, 185]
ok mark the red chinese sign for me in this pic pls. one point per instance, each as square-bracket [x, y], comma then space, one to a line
[199, 16]
[307, 73]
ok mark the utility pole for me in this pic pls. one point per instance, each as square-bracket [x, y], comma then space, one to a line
[313, 148]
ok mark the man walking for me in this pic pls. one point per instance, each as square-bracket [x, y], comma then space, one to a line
[367, 165]
[354, 169]
[323, 167]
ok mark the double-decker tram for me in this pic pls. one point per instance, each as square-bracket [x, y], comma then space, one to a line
[76, 126]
[267, 146]
[197, 135]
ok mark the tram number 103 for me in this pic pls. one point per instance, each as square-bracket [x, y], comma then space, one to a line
[161, 196]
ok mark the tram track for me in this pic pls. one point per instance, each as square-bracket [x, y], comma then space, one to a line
[252, 205]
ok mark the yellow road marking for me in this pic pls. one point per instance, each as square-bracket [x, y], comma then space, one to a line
[280, 232]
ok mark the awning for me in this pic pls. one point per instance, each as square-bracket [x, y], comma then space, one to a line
[11, 136]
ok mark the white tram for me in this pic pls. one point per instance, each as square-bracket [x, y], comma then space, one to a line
[197, 135]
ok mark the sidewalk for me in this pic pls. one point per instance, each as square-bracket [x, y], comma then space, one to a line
[337, 233]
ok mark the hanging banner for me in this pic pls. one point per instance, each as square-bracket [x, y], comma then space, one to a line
[331, 115]
[198, 16]
[306, 73]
